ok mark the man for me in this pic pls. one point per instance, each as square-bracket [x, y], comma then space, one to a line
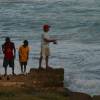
[45, 52]
[9, 52]
[23, 56]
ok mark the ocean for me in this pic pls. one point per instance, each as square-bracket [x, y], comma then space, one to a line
[76, 26]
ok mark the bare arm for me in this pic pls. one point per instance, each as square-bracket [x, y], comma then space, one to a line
[19, 52]
[49, 40]
[28, 54]
[14, 51]
[3, 48]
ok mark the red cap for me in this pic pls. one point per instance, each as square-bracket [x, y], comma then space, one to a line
[46, 26]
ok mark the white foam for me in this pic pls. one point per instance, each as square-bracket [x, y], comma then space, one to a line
[85, 85]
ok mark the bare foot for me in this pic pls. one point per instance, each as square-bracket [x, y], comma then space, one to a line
[41, 68]
[8, 78]
[48, 67]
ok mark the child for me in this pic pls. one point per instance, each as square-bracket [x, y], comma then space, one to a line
[23, 56]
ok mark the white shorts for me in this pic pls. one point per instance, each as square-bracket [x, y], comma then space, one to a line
[45, 52]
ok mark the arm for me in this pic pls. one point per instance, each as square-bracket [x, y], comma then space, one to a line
[28, 54]
[19, 52]
[14, 50]
[49, 40]
[3, 48]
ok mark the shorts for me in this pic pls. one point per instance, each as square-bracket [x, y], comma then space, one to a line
[7, 62]
[23, 63]
[45, 52]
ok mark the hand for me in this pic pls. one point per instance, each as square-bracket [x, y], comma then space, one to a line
[55, 42]
[14, 56]
[27, 58]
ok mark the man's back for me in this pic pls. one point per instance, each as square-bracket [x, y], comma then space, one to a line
[8, 48]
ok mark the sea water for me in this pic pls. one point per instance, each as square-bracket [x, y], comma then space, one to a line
[76, 26]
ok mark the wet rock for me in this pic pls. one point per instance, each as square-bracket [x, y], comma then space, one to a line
[80, 96]
[96, 97]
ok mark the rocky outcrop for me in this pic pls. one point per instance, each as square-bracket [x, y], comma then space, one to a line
[36, 78]
[41, 79]
[97, 97]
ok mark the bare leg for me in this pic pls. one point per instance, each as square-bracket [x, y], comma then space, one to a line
[24, 68]
[21, 68]
[5, 70]
[40, 61]
[13, 70]
[46, 60]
